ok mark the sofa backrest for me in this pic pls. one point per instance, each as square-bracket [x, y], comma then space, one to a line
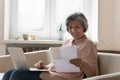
[5, 63]
[32, 58]
[108, 63]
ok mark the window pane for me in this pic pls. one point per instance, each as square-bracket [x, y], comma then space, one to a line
[43, 17]
[31, 15]
[64, 8]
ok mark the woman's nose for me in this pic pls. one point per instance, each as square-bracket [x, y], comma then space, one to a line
[73, 29]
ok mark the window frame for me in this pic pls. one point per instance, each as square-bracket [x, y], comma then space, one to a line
[50, 19]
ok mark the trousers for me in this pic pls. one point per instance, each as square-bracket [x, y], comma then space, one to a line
[21, 74]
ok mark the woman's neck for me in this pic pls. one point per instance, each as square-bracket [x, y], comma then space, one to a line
[79, 38]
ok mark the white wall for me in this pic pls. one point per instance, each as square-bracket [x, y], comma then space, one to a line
[117, 25]
[106, 24]
[109, 24]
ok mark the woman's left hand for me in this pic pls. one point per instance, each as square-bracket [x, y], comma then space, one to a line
[77, 62]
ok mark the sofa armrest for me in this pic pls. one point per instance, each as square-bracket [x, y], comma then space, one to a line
[32, 58]
[111, 76]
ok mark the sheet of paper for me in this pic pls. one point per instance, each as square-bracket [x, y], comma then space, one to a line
[61, 57]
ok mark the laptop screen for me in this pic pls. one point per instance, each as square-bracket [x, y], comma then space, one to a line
[18, 57]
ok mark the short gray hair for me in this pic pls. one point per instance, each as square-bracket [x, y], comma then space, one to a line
[79, 17]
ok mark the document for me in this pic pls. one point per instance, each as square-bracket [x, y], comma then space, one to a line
[61, 57]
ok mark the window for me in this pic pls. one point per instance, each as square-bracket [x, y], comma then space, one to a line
[43, 17]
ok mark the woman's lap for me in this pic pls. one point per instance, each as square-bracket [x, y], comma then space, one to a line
[21, 74]
[7, 75]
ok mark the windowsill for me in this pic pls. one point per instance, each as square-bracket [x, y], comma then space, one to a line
[31, 41]
[37, 42]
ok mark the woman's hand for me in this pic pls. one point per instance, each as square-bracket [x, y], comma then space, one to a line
[40, 65]
[77, 62]
[51, 67]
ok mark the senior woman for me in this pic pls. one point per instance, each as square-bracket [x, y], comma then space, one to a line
[77, 25]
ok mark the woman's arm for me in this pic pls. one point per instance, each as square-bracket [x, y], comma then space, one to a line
[88, 62]
[89, 70]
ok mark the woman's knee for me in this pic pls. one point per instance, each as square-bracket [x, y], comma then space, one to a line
[22, 74]
[7, 74]
[17, 75]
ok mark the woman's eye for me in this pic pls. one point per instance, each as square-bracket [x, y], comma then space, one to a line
[70, 27]
[76, 27]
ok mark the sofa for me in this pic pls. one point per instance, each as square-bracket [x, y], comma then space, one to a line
[109, 66]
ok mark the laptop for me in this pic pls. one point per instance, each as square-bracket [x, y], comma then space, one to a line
[19, 60]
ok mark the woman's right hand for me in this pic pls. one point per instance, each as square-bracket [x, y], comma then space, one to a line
[77, 62]
[40, 65]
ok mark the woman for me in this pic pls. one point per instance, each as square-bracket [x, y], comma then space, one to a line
[77, 25]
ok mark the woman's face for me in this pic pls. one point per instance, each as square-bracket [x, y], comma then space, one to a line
[75, 29]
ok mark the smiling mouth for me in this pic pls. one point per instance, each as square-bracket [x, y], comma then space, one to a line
[75, 34]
